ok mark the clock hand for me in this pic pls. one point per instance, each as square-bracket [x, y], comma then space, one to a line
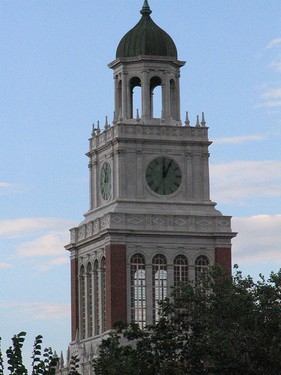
[166, 171]
[163, 170]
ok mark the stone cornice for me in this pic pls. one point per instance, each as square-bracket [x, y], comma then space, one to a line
[156, 224]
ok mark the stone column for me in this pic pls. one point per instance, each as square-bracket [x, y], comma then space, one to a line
[94, 184]
[91, 185]
[116, 96]
[124, 95]
[177, 98]
[206, 184]
[189, 176]
[166, 97]
[170, 278]
[149, 287]
[145, 96]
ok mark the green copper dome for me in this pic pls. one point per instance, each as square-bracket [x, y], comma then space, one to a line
[146, 38]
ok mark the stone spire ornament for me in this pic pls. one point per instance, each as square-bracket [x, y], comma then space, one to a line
[145, 8]
[93, 130]
[203, 122]
[187, 122]
[197, 122]
[106, 126]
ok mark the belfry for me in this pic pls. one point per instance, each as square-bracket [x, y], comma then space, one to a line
[151, 223]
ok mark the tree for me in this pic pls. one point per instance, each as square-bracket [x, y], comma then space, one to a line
[43, 363]
[224, 325]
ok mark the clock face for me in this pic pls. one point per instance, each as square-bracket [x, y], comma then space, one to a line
[163, 175]
[105, 180]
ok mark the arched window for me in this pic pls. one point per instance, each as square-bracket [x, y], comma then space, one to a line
[155, 97]
[138, 290]
[201, 267]
[180, 270]
[90, 299]
[159, 283]
[136, 100]
[82, 302]
[103, 294]
[96, 299]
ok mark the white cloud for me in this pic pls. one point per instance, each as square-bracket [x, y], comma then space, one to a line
[235, 181]
[54, 262]
[258, 240]
[48, 245]
[242, 139]
[38, 310]
[29, 226]
[5, 265]
[6, 187]
[37, 238]
[274, 42]
[271, 103]
[273, 93]
[275, 65]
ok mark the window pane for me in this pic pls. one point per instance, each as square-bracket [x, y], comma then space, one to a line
[180, 270]
[138, 290]
[159, 283]
[201, 267]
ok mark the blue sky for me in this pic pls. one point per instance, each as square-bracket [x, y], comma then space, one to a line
[54, 83]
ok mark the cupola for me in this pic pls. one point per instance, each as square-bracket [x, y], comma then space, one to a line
[146, 38]
[146, 58]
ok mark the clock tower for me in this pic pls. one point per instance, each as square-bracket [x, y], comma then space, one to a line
[151, 223]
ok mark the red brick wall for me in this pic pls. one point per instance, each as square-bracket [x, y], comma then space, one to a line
[116, 301]
[74, 297]
[223, 257]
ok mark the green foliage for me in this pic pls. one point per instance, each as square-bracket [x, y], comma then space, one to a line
[1, 360]
[14, 355]
[225, 325]
[43, 362]
[74, 365]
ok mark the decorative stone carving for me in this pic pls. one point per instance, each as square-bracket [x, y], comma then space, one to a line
[96, 226]
[105, 221]
[73, 235]
[180, 222]
[117, 219]
[82, 232]
[135, 221]
[158, 220]
[203, 223]
[89, 229]
[223, 223]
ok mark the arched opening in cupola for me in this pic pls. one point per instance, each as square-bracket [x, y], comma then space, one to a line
[155, 97]
[135, 99]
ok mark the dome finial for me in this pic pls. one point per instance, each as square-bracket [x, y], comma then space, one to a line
[145, 8]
